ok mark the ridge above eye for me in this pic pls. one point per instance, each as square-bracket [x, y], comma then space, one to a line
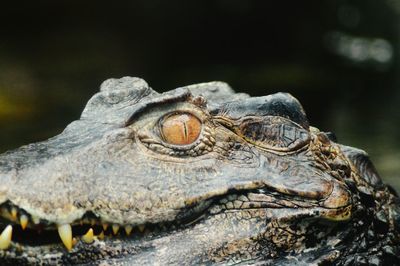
[180, 128]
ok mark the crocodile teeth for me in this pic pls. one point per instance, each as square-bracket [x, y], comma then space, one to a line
[101, 235]
[141, 228]
[128, 229]
[5, 237]
[14, 213]
[105, 226]
[65, 232]
[115, 229]
[23, 221]
[88, 237]
[35, 219]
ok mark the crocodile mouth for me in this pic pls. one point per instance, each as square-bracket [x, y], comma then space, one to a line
[21, 230]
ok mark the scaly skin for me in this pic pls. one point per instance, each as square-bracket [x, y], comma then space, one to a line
[257, 186]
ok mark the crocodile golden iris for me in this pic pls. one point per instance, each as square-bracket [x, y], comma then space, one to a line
[195, 175]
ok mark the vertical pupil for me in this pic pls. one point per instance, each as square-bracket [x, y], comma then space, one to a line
[180, 129]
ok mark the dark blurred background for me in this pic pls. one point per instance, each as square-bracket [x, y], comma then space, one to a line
[339, 58]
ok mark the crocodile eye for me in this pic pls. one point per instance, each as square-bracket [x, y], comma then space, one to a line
[180, 128]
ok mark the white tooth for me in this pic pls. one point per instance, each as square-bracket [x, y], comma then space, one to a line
[115, 228]
[65, 232]
[141, 228]
[35, 219]
[14, 213]
[23, 221]
[88, 237]
[105, 226]
[101, 235]
[128, 229]
[5, 237]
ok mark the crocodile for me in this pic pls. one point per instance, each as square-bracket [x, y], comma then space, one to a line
[195, 175]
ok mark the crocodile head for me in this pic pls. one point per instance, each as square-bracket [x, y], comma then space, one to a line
[198, 174]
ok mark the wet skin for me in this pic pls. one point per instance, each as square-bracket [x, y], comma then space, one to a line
[198, 174]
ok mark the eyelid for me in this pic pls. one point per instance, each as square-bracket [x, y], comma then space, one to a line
[200, 142]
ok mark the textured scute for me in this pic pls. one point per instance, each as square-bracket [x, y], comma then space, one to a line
[123, 84]
[116, 94]
[279, 104]
[258, 186]
[216, 92]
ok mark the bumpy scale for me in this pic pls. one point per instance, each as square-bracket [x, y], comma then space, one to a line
[195, 175]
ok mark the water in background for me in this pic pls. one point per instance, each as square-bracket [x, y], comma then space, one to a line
[339, 58]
